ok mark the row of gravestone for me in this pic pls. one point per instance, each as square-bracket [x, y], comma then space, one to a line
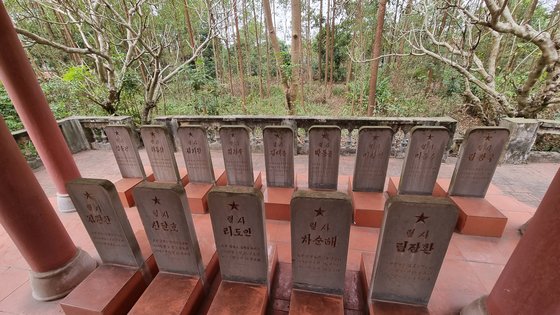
[472, 177]
[414, 236]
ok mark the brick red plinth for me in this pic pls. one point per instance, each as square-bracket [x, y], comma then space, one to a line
[393, 187]
[383, 308]
[197, 194]
[369, 207]
[171, 294]
[277, 202]
[220, 176]
[479, 217]
[343, 182]
[444, 183]
[257, 175]
[310, 303]
[124, 188]
[184, 176]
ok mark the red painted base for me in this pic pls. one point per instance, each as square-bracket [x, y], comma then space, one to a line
[277, 202]
[479, 217]
[445, 182]
[197, 194]
[393, 187]
[220, 176]
[369, 208]
[310, 303]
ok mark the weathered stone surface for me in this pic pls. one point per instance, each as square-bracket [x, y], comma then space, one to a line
[125, 150]
[167, 220]
[320, 231]
[413, 241]
[423, 160]
[372, 158]
[523, 133]
[194, 144]
[279, 156]
[104, 218]
[478, 159]
[236, 150]
[160, 151]
[324, 153]
[237, 215]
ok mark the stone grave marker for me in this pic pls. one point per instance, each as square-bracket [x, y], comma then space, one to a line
[167, 220]
[423, 160]
[196, 151]
[124, 146]
[104, 218]
[237, 215]
[413, 241]
[372, 158]
[324, 151]
[279, 156]
[477, 162]
[236, 149]
[160, 151]
[320, 232]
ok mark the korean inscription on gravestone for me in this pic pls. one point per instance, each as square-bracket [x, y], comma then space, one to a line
[165, 214]
[423, 160]
[160, 152]
[324, 150]
[237, 217]
[320, 232]
[236, 150]
[279, 156]
[478, 159]
[98, 205]
[125, 150]
[414, 239]
[372, 158]
[196, 151]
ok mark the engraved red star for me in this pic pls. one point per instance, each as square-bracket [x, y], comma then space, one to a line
[153, 134]
[277, 136]
[190, 134]
[116, 133]
[430, 136]
[156, 200]
[488, 138]
[375, 137]
[325, 135]
[319, 212]
[233, 206]
[87, 195]
[421, 218]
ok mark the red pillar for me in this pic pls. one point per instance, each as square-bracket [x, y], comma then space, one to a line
[23, 88]
[28, 217]
[530, 281]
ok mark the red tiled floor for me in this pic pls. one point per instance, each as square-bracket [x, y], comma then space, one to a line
[471, 266]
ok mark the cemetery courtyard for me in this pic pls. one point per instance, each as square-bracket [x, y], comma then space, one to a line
[471, 266]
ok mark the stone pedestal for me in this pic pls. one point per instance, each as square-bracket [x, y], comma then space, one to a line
[310, 303]
[197, 193]
[343, 183]
[392, 188]
[277, 202]
[368, 206]
[124, 188]
[479, 217]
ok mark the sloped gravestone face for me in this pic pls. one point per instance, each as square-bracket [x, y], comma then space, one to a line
[320, 231]
[279, 156]
[372, 158]
[167, 220]
[125, 150]
[414, 239]
[236, 149]
[423, 160]
[161, 153]
[324, 152]
[478, 159]
[104, 218]
[237, 215]
[196, 151]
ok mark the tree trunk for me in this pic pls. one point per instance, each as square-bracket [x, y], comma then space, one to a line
[327, 42]
[309, 45]
[377, 43]
[331, 54]
[239, 58]
[319, 48]
[226, 42]
[259, 65]
[296, 50]
[407, 11]
[189, 25]
[530, 12]
[267, 55]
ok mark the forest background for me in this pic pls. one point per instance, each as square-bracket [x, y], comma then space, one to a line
[474, 60]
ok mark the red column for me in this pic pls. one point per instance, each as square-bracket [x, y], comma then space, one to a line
[28, 217]
[23, 88]
[530, 281]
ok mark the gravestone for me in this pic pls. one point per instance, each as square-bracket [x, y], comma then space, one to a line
[324, 151]
[125, 150]
[167, 220]
[196, 151]
[320, 231]
[477, 162]
[237, 217]
[372, 158]
[279, 156]
[160, 151]
[236, 149]
[423, 160]
[413, 241]
[105, 220]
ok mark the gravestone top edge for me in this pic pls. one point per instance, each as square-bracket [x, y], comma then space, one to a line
[235, 190]
[324, 127]
[226, 127]
[376, 128]
[278, 127]
[324, 194]
[192, 126]
[485, 128]
[161, 127]
[104, 183]
[175, 187]
[413, 129]
[422, 199]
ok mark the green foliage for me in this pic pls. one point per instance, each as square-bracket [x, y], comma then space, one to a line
[8, 111]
